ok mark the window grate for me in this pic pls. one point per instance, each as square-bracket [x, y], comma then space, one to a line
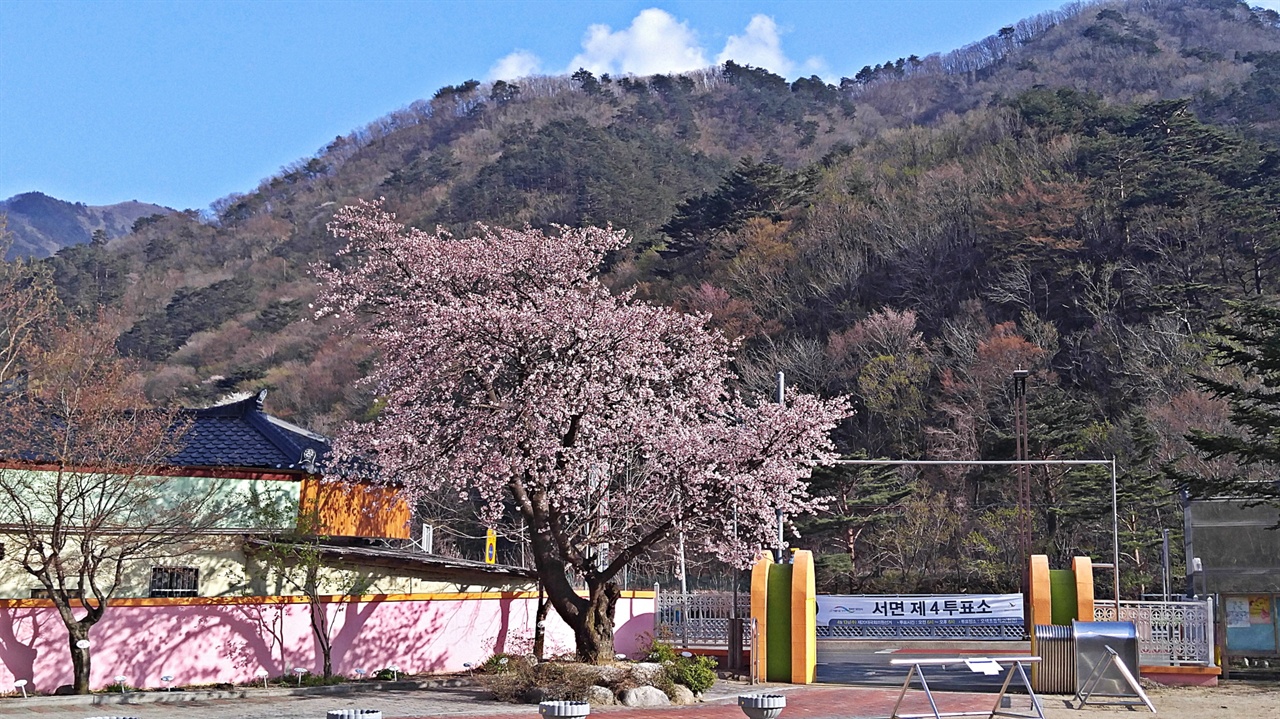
[175, 582]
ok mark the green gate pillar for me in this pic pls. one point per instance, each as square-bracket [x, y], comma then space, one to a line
[777, 631]
[760, 614]
[785, 607]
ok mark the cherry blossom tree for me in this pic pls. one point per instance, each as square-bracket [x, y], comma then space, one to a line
[509, 373]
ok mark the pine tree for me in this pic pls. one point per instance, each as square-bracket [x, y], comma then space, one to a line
[858, 498]
[1250, 345]
[754, 189]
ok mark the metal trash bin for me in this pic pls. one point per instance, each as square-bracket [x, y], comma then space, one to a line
[1055, 673]
[1092, 640]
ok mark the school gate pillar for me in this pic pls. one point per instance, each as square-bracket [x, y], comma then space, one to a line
[784, 605]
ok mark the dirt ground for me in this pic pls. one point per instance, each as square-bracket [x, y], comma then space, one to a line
[1233, 700]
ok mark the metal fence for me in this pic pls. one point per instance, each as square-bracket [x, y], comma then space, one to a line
[944, 631]
[698, 619]
[1169, 633]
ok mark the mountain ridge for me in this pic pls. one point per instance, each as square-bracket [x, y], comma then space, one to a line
[586, 150]
[42, 225]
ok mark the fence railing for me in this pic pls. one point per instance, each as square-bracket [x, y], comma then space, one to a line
[1169, 633]
[698, 619]
[908, 632]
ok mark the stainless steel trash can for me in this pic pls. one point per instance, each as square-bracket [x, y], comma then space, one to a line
[1092, 640]
[1055, 673]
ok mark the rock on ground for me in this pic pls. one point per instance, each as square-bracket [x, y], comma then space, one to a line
[638, 673]
[646, 672]
[681, 694]
[645, 697]
[598, 696]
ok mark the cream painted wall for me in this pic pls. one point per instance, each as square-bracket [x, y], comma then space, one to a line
[218, 558]
[225, 571]
[235, 503]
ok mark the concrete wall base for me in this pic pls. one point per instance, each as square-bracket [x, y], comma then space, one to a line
[1182, 676]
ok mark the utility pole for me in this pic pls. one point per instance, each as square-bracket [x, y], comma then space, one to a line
[1164, 563]
[1024, 471]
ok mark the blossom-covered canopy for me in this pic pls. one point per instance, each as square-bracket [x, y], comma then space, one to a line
[509, 371]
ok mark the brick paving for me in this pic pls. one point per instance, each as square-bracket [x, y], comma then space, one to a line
[813, 702]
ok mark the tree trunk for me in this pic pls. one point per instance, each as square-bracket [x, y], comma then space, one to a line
[79, 657]
[319, 620]
[320, 628]
[590, 617]
[593, 630]
[540, 625]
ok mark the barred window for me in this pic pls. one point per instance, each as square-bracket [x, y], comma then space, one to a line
[175, 582]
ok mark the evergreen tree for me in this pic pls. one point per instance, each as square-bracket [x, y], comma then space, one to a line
[1250, 345]
[858, 498]
[753, 189]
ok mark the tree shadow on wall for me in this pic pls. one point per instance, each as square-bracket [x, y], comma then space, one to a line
[376, 633]
[19, 657]
[180, 644]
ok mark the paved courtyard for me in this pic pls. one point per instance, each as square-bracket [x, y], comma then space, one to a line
[815, 702]
[1243, 700]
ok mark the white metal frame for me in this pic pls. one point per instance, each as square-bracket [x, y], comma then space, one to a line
[1088, 689]
[1015, 667]
[1115, 509]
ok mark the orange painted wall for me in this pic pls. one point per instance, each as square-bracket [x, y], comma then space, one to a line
[1083, 567]
[804, 617]
[355, 510]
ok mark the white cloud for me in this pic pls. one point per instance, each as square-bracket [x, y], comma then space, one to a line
[654, 43]
[1268, 4]
[815, 65]
[760, 46]
[518, 64]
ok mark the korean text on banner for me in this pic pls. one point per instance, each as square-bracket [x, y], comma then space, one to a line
[933, 609]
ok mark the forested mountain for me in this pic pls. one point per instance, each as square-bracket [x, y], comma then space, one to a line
[1077, 195]
[41, 225]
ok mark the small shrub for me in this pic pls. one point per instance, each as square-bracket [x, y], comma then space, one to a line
[523, 681]
[660, 652]
[663, 681]
[319, 680]
[560, 681]
[500, 663]
[114, 688]
[510, 683]
[697, 673]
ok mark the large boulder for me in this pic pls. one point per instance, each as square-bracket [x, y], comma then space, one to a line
[681, 694]
[598, 696]
[645, 697]
[646, 672]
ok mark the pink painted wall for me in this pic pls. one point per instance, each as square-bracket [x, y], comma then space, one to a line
[215, 643]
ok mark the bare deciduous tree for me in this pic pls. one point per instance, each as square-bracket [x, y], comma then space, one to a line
[82, 496]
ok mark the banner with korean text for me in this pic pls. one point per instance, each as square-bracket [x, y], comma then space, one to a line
[920, 610]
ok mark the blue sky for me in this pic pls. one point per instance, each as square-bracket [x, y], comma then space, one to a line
[181, 103]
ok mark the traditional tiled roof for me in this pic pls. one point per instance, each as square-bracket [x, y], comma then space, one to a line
[240, 435]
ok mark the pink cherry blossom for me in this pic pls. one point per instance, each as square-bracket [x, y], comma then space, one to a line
[511, 373]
